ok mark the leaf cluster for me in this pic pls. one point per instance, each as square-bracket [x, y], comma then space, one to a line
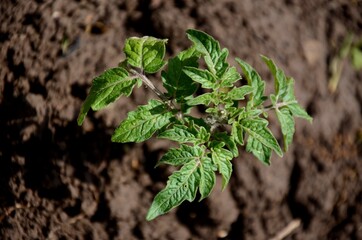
[234, 113]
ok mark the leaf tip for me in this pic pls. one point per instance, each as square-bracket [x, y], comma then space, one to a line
[114, 138]
[155, 210]
[150, 216]
[279, 153]
[310, 119]
[157, 164]
[80, 119]
[82, 114]
[191, 30]
[202, 198]
[264, 57]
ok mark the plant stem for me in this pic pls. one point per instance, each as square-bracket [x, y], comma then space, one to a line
[278, 105]
[153, 88]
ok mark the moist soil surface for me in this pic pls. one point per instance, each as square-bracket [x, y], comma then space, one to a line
[62, 181]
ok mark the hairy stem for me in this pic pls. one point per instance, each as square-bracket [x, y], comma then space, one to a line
[278, 105]
[153, 88]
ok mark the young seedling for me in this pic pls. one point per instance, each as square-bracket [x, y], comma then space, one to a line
[234, 115]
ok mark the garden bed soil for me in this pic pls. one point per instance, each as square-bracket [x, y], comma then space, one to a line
[62, 181]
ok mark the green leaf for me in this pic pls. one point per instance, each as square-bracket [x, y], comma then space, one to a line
[202, 134]
[107, 88]
[298, 111]
[229, 142]
[237, 133]
[289, 94]
[273, 99]
[204, 77]
[207, 178]
[222, 158]
[257, 128]
[287, 125]
[280, 82]
[292, 104]
[259, 150]
[240, 92]
[254, 80]
[204, 99]
[182, 185]
[146, 53]
[216, 144]
[253, 113]
[230, 77]
[182, 155]
[193, 121]
[220, 63]
[214, 57]
[181, 134]
[176, 82]
[142, 123]
[234, 112]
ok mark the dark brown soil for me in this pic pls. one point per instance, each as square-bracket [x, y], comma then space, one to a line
[61, 181]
